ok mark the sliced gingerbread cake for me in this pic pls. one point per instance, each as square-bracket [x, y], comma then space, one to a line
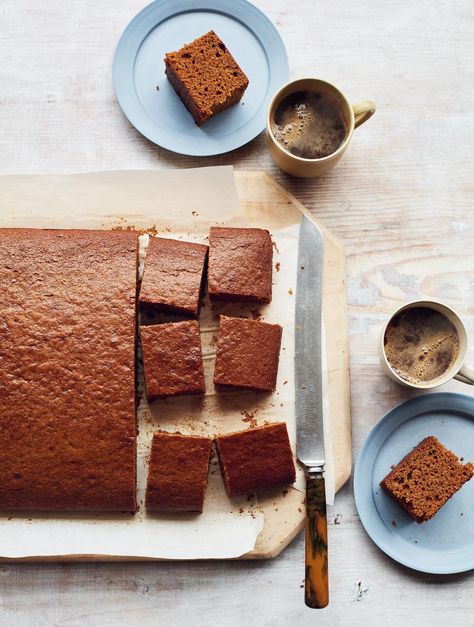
[248, 352]
[173, 277]
[172, 359]
[206, 77]
[424, 480]
[240, 264]
[178, 470]
[256, 459]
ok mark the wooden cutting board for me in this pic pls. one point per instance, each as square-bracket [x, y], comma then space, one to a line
[258, 190]
[262, 202]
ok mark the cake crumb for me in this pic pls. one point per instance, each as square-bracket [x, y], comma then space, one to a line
[360, 592]
[249, 417]
[277, 266]
[290, 292]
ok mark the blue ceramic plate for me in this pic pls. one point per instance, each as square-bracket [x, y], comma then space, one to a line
[149, 101]
[444, 544]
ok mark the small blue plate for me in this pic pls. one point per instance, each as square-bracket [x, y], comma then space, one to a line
[151, 104]
[444, 544]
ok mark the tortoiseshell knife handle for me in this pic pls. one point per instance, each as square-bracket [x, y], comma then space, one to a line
[316, 588]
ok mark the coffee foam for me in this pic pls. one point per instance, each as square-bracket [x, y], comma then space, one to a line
[421, 344]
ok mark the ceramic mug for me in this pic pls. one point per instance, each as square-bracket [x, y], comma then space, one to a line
[457, 370]
[353, 115]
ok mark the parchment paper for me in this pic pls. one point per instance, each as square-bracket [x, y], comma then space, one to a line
[181, 204]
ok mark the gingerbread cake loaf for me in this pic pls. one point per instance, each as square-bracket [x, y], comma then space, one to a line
[67, 370]
[206, 77]
[426, 478]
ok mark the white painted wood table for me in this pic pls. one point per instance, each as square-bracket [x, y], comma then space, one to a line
[401, 200]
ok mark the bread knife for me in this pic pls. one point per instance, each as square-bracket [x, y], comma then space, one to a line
[309, 408]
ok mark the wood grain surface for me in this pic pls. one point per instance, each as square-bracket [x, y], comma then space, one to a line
[400, 200]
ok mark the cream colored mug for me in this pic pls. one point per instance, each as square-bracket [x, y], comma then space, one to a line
[354, 116]
[457, 370]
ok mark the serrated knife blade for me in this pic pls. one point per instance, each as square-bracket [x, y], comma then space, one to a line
[308, 365]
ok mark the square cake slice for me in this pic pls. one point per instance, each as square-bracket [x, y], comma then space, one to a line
[173, 277]
[256, 459]
[248, 353]
[67, 370]
[172, 359]
[426, 478]
[240, 264]
[206, 77]
[178, 470]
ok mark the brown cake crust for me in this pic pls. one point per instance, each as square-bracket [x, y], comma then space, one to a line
[172, 359]
[240, 264]
[67, 374]
[426, 478]
[206, 77]
[256, 459]
[178, 471]
[173, 277]
[247, 354]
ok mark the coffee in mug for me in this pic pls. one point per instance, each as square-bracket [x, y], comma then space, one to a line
[424, 344]
[421, 344]
[309, 124]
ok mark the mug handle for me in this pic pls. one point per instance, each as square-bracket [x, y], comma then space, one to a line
[363, 110]
[466, 375]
